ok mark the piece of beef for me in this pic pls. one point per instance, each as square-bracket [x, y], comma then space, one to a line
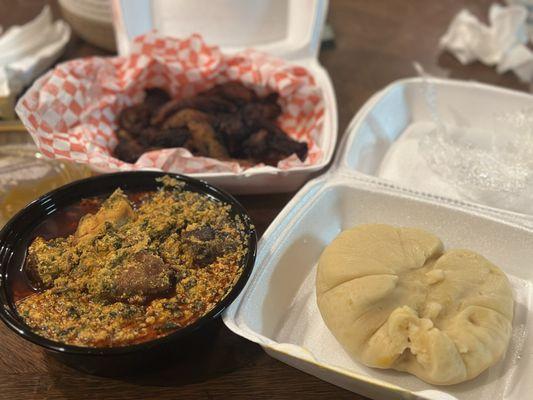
[182, 117]
[203, 139]
[202, 245]
[233, 91]
[155, 98]
[203, 233]
[205, 142]
[230, 124]
[254, 114]
[164, 138]
[256, 146]
[142, 278]
[270, 145]
[134, 119]
[233, 131]
[282, 143]
[272, 98]
[208, 104]
[128, 150]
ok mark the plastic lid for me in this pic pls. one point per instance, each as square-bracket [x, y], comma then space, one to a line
[286, 28]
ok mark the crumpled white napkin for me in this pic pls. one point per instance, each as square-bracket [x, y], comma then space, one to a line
[28, 50]
[502, 43]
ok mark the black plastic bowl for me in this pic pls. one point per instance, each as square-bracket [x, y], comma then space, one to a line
[17, 235]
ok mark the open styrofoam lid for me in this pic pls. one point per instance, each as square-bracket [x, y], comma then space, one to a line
[286, 28]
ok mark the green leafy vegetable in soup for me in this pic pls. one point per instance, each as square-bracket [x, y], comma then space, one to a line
[134, 272]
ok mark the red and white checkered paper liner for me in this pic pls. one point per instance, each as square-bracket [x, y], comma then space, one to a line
[71, 111]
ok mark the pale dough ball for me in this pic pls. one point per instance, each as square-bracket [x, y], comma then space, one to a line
[393, 299]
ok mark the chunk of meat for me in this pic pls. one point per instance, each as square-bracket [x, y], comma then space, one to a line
[255, 113]
[230, 124]
[257, 144]
[204, 233]
[155, 98]
[170, 137]
[205, 141]
[272, 97]
[115, 211]
[233, 131]
[203, 246]
[270, 145]
[183, 117]
[233, 91]
[144, 278]
[134, 119]
[208, 104]
[285, 145]
[140, 278]
[128, 151]
[124, 135]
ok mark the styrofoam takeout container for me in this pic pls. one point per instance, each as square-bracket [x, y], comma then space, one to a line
[278, 307]
[289, 29]
[382, 121]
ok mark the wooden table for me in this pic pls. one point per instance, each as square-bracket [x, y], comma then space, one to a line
[376, 43]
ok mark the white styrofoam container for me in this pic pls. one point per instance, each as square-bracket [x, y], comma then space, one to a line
[385, 117]
[277, 309]
[289, 29]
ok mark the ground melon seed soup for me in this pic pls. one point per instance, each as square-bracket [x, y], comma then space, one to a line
[131, 267]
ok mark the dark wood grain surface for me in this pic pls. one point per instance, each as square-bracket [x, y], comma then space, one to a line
[376, 42]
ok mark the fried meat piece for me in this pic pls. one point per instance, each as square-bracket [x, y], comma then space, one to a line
[164, 138]
[254, 113]
[257, 145]
[155, 98]
[134, 119]
[285, 145]
[208, 104]
[128, 150]
[233, 91]
[270, 145]
[233, 131]
[205, 141]
[183, 117]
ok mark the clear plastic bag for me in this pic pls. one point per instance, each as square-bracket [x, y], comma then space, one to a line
[25, 174]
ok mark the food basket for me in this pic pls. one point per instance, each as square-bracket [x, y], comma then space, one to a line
[278, 307]
[286, 29]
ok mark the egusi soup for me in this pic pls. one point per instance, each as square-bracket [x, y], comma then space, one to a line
[138, 268]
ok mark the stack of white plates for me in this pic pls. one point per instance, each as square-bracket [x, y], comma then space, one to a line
[26, 51]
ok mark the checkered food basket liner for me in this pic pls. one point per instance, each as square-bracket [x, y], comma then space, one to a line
[71, 111]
